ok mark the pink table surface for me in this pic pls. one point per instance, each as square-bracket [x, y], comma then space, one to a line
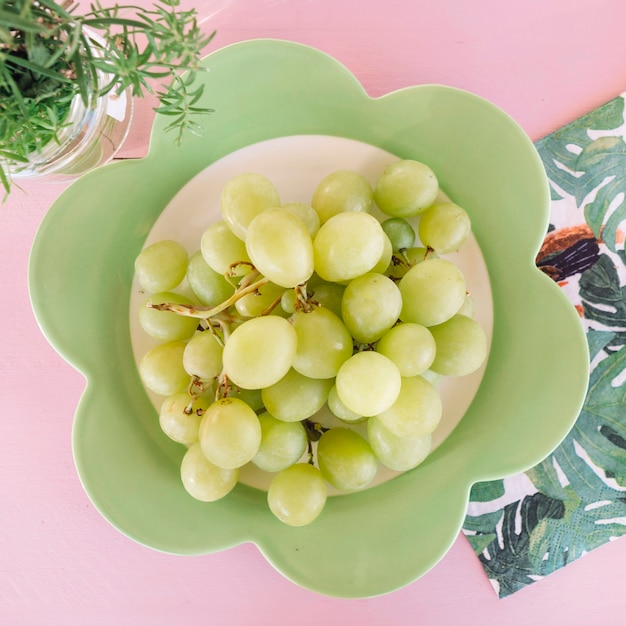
[545, 62]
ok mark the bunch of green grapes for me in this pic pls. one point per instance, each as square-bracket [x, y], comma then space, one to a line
[296, 310]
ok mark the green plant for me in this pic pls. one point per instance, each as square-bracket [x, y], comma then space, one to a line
[50, 54]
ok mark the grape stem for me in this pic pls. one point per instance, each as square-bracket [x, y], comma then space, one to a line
[205, 312]
[303, 302]
[195, 389]
[223, 386]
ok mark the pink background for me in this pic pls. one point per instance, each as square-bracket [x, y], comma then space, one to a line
[545, 62]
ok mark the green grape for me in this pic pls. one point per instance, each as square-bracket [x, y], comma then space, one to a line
[403, 261]
[259, 352]
[417, 410]
[432, 292]
[221, 248]
[410, 346]
[295, 397]
[397, 453]
[243, 198]
[368, 383]
[306, 213]
[385, 258]
[371, 305]
[340, 410]
[329, 295]
[252, 397]
[288, 301]
[461, 346]
[348, 245]
[161, 266]
[254, 304]
[229, 433]
[400, 233]
[341, 191]
[323, 343]
[282, 443]
[165, 325]
[444, 227]
[468, 308]
[207, 285]
[406, 188]
[161, 369]
[280, 247]
[203, 356]
[180, 416]
[204, 480]
[297, 495]
[346, 459]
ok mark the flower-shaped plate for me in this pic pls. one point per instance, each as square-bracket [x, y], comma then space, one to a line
[380, 539]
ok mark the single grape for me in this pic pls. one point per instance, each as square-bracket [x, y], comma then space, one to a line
[282, 443]
[260, 352]
[280, 247]
[207, 285]
[461, 346]
[165, 325]
[288, 301]
[180, 416]
[406, 188]
[385, 258]
[202, 356]
[306, 213]
[370, 306]
[161, 266]
[410, 346]
[161, 369]
[432, 292]
[400, 233]
[295, 397]
[229, 433]
[340, 410]
[328, 295]
[341, 191]
[252, 397]
[444, 227]
[221, 248]
[397, 453]
[297, 495]
[404, 260]
[468, 308]
[368, 383]
[346, 459]
[348, 245]
[243, 198]
[417, 410]
[204, 480]
[256, 303]
[323, 343]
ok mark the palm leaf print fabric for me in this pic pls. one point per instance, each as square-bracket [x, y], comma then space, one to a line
[525, 527]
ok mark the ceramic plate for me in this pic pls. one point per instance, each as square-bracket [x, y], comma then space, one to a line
[279, 99]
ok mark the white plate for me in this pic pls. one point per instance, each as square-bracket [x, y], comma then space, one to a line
[296, 165]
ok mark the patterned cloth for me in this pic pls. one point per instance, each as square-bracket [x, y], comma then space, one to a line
[525, 527]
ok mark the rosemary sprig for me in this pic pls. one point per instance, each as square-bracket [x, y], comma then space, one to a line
[50, 54]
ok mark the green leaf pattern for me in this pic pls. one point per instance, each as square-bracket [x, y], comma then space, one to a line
[525, 527]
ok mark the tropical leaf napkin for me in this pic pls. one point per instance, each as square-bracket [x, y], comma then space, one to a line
[525, 527]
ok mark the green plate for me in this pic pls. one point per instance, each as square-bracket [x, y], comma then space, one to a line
[378, 540]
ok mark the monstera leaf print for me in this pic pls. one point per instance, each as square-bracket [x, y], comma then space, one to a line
[591, 168]
[603, 167]
[604, 300]
[575, 500]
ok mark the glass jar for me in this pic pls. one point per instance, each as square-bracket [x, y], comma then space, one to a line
[92, 136]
